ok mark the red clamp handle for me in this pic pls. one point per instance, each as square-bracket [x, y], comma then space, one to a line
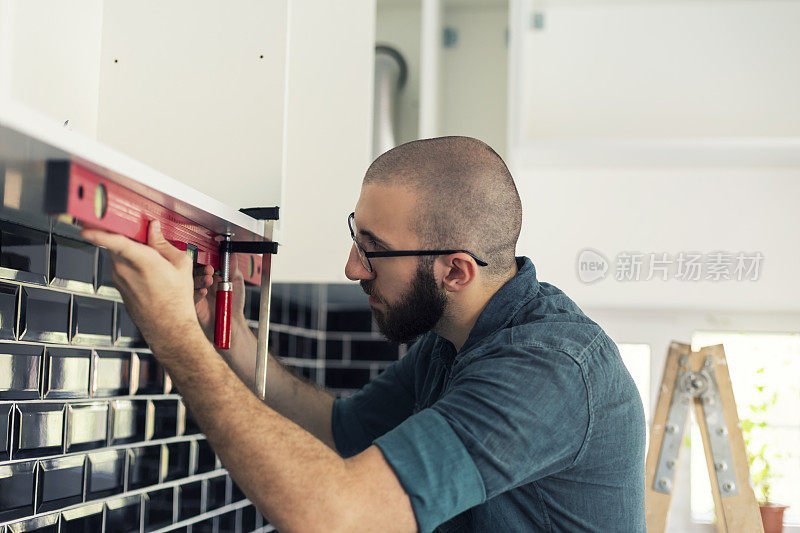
[222, 325]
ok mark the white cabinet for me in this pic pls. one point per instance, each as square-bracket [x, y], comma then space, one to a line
[661, 81]
[253, 103]
[192, 89]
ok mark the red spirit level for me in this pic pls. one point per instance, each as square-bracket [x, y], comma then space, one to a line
[97, 202]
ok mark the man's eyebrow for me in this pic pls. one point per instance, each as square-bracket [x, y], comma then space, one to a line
[374, 237]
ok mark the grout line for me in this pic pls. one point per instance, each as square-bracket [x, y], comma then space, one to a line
[135, 492]
[208, 514]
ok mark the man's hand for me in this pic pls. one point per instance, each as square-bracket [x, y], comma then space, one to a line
[205, 292]
[155, 282]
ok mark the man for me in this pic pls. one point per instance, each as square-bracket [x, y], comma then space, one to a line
[512, 412]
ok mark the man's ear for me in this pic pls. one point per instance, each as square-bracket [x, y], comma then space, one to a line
[459, 271]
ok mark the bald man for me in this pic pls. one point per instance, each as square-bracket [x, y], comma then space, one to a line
[512, 410]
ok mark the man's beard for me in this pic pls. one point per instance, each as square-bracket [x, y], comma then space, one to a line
[418, 310]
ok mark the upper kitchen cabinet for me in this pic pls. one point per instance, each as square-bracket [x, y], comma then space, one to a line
[708, 82]
[456, 57]
[252, 103]
[195, 90]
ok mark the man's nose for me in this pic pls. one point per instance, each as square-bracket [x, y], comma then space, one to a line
[353, 269]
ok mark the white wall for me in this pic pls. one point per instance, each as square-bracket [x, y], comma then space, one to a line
[474, 73]
[664, 210]
[328, 136]
[658, 128]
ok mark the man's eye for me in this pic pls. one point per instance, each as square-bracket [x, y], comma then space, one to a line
[374, 245]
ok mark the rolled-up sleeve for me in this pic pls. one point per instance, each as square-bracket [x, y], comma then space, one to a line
[381, 405]
[509, 417]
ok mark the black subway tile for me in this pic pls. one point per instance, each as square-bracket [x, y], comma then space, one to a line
[227, 522]
[178, 456]
[252, 299]
[38, 431]
[113, 375]
[151, 375]
[105, 473]
[284, 342]
[249, 518]
[158, 509]
[334, 349]
[216, 492]
[205, 526]
[40, 524]
[127, 334]
[6, 413]
[191, 427]
[206, 459]
[19, 371]
[275, 309]
[23, 253]
[364, 350]
[72, 264]
[144, 466]
[349, 320]
[60, 482]
[87, 425]
[17, 482]
[129, 421]
[92, 321]
[44, 316]
[122, 515]
[237, 492]
[104, 282]
[294, 315]
[306, 372]
[66, 373]
[306, 348]
[86, 519]
[9, 295]
[190, 500]
[346, 378]
[165, 418]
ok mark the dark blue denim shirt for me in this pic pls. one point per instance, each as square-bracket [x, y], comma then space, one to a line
[535, 425]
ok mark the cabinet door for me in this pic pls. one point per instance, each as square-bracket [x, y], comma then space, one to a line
[657, 70]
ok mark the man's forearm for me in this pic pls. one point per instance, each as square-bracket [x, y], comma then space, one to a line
[280, 459]
[306, 405]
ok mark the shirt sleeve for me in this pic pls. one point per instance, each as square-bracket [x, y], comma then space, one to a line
[381, 405]
[510, 417]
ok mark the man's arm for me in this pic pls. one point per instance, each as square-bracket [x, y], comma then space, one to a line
[296, 481]
[308, 406]
[303, 403]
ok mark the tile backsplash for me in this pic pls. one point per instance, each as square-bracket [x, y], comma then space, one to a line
[93, 437]
[325, 333]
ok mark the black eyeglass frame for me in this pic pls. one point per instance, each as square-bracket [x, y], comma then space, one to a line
[401, 253]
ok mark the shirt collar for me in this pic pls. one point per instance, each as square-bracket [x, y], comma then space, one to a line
[505, 303]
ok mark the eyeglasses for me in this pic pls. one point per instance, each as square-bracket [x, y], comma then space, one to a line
[364, 255]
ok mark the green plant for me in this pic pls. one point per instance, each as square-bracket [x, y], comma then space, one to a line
[760, 470]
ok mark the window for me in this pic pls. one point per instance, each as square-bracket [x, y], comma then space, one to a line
[637, 359]
[765, 373]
